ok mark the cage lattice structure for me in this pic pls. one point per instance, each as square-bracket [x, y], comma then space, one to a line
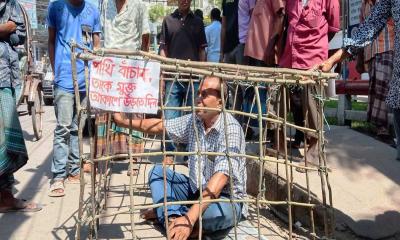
[269, 113]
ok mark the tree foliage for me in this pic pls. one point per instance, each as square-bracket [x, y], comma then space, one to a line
[156, 12]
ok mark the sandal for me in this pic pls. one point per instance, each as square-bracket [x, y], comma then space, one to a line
[22, 205]
[55, 188]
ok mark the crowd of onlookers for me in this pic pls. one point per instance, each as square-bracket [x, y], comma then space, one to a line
[263, 33]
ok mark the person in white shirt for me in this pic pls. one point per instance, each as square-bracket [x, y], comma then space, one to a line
[126, 27]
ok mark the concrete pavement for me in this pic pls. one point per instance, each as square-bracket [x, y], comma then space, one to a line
[365, 181]
[58, 217]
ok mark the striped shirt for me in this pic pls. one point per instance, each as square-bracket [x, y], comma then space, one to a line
[181, 130]
[385, 41]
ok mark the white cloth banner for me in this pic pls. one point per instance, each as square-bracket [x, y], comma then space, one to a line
[124, 85]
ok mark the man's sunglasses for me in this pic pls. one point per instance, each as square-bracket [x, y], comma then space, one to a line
[209, 92]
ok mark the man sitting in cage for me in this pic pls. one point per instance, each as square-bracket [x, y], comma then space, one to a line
[206, 131]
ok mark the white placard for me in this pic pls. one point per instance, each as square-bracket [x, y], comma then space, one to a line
[124, 85]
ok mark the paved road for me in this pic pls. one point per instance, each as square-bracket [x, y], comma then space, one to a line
[365, 182]
[59, 215]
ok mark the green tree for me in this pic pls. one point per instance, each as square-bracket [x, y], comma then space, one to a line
[156, 12]
[218, 4]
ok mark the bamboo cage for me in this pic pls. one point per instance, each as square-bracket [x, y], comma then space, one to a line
[276, 81]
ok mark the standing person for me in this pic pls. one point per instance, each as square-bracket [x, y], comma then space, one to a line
[378, 57]
[230, 32]
[367, 32]
[182, 37]
[263, 44]
[68, 20]
[213, 35]
[126, 27]
[245, 11]
[13, 154]
[312, 23]
[231, 50]
[264, 32]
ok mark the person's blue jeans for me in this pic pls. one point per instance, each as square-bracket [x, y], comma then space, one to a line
[175, 94]
[217, 216]
[66, 142]
[396, 123]
[250, 106]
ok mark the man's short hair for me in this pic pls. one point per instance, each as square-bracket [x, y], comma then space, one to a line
[216, 14]
[199, 13]
[221, 82]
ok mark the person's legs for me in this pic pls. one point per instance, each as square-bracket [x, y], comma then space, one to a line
[220, 216]
[8, 203]
[381, 74]
[250, 99]
[192, 95]
[298, 117]
[6, 182]
[396, 123]
[311, 112]
[235, 91]
[178, 189]
[173, 98]
[73, 157]
[64, 110]
[240, 58]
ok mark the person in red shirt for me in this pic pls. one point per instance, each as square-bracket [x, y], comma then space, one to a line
[311, 24]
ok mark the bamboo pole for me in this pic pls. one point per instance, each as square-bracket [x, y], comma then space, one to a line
[220, 200]
[81, 160]
[103, 52]
[228, 156]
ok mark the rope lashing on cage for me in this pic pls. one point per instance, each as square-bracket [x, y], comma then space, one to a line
[321, 100]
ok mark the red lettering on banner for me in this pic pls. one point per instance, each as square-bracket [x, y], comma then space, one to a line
[104, 99]
[151, 101]
[144, 74]
[101, 85]
[128, 72]
[114, 85]
[125, 89]
[105, 66]
[132, 72]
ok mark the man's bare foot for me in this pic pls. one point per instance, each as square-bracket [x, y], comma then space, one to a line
[74, 179]
[312, 152]
[311, 156]
[133, 172]
[149, 214]
[8, 203]
[87, 168]
[168, 160]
